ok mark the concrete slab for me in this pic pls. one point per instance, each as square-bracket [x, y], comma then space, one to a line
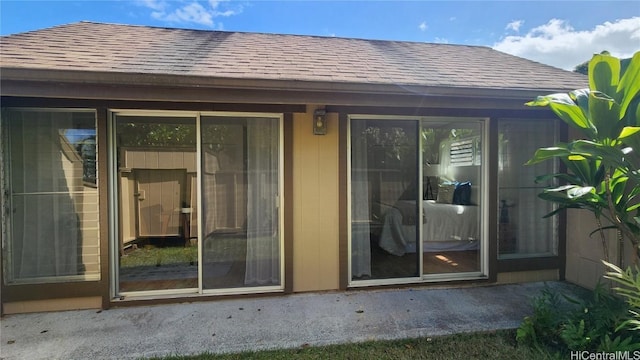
[266, 323]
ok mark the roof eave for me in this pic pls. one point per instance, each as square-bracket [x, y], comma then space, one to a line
[78, 81]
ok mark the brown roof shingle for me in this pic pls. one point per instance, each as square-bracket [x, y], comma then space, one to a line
[234, 55]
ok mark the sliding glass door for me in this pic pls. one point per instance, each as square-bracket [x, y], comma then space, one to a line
[156, 160]
[240, 202]
[452, 201]
[416, 195]
[384, 189]
[198, 202]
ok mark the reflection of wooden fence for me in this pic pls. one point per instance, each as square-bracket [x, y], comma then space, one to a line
[137, 185]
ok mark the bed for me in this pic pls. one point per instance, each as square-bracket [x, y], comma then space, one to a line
[446, 227]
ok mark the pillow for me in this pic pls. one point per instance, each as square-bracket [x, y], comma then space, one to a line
[445, 193]
[462, 194]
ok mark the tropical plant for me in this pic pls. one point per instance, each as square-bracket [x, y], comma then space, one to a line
[583, 68]
[562, 323]
[630, 290]
[602, 168]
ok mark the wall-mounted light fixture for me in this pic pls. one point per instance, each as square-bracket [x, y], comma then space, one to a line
[320, 122]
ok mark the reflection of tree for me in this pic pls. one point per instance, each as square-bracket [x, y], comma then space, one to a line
[216, 136]
[394, 142]
[137, 134]
[146, 134]
[86, 148]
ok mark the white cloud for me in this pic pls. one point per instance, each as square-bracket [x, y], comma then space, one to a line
[156, 5]
[558, 44]
[515, 25]
[423, 26]
[190, 13]
[215, 4]
[193, 11]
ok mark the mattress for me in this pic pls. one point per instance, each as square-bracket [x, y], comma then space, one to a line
[444, 227]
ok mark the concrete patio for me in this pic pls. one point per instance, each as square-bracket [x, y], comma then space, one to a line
[234, 325]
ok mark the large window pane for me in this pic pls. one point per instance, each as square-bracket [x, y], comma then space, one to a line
[384, 193]
[522, 230]
[240, 202]
[452, 178]
[156, 176]
[398, 219]
[52, 182]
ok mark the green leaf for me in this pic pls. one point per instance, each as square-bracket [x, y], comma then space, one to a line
[580, 191]
[572, 115]
[539, 101]
[581, 97]
[604, 74]
[547, 153]
[617, 188]
[628, 131]
[605, 114]
[581, 168]
[633, 207]
[629, 85]
[632, 113]
[566, 109]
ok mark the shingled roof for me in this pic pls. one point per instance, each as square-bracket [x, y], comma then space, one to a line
[126, 49]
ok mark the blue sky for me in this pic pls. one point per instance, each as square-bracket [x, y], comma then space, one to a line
[559, 33]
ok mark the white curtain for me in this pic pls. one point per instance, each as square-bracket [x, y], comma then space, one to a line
[46, 173]
[518, 190]
[210, 166]
[263, 244]
[360, 209]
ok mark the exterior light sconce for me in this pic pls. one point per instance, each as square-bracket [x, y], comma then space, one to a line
[320, 122]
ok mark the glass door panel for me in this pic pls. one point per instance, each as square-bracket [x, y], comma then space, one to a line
[241, 243]
[452, 185]
[384, 189]
[522, 229]
[156, 163]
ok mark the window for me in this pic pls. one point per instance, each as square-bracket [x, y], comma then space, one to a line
[199, 201]
[522, 230]
[416, 195]
[241, 243]
[50, 182]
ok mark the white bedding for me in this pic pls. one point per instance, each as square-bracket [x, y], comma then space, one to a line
[445, 227]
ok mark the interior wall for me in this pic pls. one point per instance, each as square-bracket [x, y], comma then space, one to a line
[315, 204]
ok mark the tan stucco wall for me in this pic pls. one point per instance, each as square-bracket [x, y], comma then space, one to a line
[585, 252]
[20, 307]
[528, 276]
[315, 204]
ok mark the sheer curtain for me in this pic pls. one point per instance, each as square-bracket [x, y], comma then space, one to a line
[518, 191]
[46, 175]
[360, 209]
[263, 245]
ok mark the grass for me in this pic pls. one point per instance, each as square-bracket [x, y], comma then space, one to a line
[152, 256]
[487, 345]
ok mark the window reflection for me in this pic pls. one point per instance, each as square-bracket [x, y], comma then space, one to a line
[54, 200]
